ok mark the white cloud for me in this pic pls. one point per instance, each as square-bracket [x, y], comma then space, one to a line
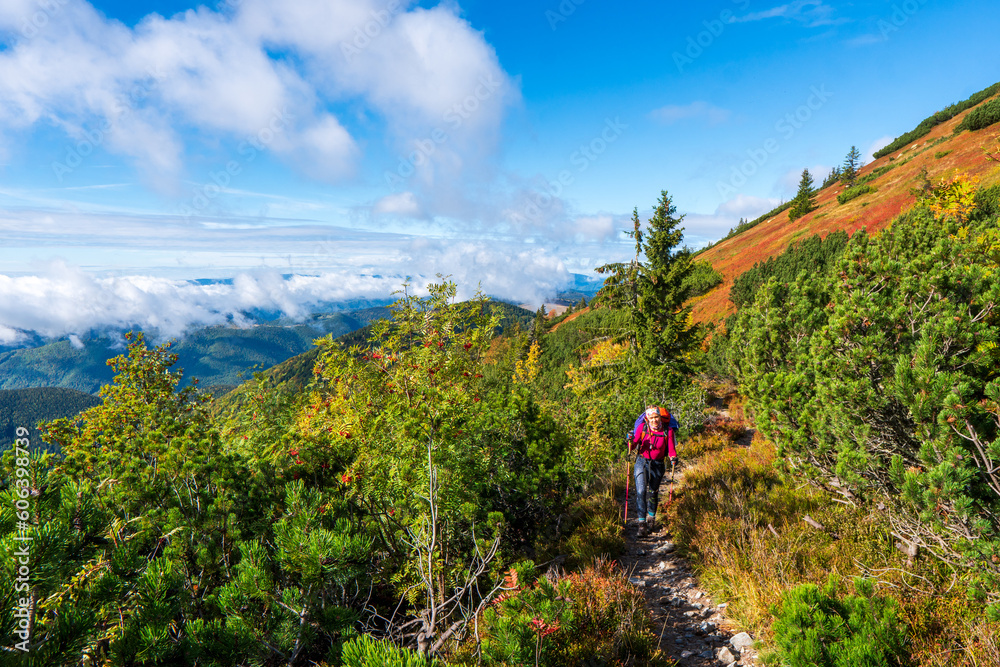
[63, 300]
[145, 261]
[866, 40]
[701, 228]
[403, 204]
[812, 13]
[269, 72]
[10, 336]
[746, 206]
[701, 110]
[596, 227]
[520, 274]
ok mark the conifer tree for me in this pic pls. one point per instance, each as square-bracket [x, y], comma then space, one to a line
[852, 163]
[650, 292]
[805, 198]
[833, 177]
[540, 323]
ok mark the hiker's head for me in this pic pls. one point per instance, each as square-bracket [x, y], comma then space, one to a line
[653, 416]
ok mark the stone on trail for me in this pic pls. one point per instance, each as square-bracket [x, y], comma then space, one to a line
[686, 654]
[741, 641]
[665, 548]
[726, 656]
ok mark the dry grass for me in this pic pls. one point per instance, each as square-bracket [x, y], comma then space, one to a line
[592, 527]
[740, 522]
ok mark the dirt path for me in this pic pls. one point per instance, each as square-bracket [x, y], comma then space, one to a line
[695, 631]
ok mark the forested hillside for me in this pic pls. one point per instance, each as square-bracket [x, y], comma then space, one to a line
[217, 356]
[27, 407]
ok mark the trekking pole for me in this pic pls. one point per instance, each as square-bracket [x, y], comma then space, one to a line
[628, 478]
[670, 497]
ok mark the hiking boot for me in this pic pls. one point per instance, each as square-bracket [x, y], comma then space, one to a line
[643, 529]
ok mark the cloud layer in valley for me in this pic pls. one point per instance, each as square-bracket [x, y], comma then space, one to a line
[60, 300]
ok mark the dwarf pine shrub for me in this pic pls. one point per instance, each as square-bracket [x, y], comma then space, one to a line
[367, 652]
[853, 193]
[982, 116]
[815, 628]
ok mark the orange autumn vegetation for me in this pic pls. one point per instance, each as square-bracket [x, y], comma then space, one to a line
[941, 153]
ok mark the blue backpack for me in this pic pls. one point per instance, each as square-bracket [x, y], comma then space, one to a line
[665, 416]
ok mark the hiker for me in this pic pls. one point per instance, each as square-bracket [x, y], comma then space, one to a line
[654, 440]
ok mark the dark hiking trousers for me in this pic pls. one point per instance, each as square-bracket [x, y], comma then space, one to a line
[648, 475]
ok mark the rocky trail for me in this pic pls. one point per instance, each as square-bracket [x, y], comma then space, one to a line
[694, 629]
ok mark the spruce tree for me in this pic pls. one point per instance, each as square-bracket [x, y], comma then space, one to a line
[852, 163]
[805, 198]
[540, 323]
[833, 177]
[650, 292]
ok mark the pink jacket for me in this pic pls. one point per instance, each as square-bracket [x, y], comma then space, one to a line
[654, 445]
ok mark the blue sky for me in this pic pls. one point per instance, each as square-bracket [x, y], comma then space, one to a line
[146, 143]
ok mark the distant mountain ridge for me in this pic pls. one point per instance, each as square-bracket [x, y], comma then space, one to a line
[222, 356]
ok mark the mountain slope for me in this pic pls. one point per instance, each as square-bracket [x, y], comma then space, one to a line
[215, 355]
[27, 407]
[941, 152]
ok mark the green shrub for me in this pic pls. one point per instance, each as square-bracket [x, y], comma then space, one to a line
[941, 154]
[814, 628]
[702, 279]
[982, 116]
[367, 652]
[853, 193]
[848, 393]
[874, 174]
[597, 529]
[988, 202]
[811, 255]
[930, 123]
